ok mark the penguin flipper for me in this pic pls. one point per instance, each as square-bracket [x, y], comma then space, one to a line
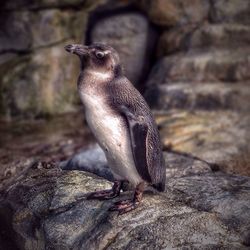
[138, 131]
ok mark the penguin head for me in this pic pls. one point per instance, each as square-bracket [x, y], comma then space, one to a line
[99, 58]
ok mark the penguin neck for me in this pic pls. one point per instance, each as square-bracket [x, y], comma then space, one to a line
[99, 76]
[92, 82]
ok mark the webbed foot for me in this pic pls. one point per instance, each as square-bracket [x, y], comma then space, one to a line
[124, 206]
[128, 205]
[106, 194]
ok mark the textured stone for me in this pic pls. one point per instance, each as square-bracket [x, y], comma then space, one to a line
[40, 142]
[46, 4]
[131, 41]
[36, 76]
[230, 11]
[47, 209]
[92, 160]
[53, 26]
[204, 36]
[175, 12]
[202, 66]
[15, 32]
[219, 137]
[40, 83]
[199, 96]
[48, 28]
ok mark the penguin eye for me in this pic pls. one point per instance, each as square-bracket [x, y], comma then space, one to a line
[99, 54]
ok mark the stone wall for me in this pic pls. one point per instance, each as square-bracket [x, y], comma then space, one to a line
[203, 48]
[36, 77]
[201, 79]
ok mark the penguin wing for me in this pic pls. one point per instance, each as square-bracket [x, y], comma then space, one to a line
[138, 130]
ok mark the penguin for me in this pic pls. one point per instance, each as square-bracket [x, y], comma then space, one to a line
[121, 122]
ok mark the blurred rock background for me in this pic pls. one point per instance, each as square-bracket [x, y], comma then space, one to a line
[189, 58]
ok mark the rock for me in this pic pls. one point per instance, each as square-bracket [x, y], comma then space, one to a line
[218, 137]
[48, 28]
[175, 39]
[230, 11]
[39, 83]
[205, 36]
[113, 6]
[92, 160]
[202, 66]
[35, 78]
[131, 41]
[54, 26]
[173, 12]
[40, 142]
[199, 96]
[221, 36]
[48, 4]
[200, 209]
[15, 33]
[181, 165]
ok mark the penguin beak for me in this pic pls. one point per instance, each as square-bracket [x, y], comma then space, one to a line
[77, 49]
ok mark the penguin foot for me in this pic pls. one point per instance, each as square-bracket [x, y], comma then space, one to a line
[128, 205]
[102, 195]
[106, 194]
[124, 206]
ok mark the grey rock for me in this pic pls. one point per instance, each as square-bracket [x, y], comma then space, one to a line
[181, 165]
[199, 96]
[219, 137]
[230, 11]
[24, 31]
[199, 209]
[202, 66]
[38, 83]
[35, 78]
[92, 160]
[48, 4]
[15, 32]
[131, 41]
[39, 142]
[175, 12]
[219, 35]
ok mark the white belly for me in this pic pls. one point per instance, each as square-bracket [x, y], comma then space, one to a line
[113, 137]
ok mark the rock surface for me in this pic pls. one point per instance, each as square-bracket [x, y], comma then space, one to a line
[47, 4]
[219, 137]
[48, 28]
[33, 87]
[201, 85]
[175, 12]
[200, 96]
[221, 35]
[198, 55]
[200, 66]
[37, 78]
[199, 209]
[132, 41]
[92, 160]
[24, 144]
[230, 12]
